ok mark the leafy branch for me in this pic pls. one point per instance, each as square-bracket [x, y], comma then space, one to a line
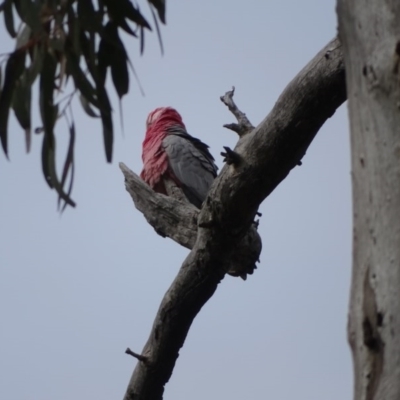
[58, 40]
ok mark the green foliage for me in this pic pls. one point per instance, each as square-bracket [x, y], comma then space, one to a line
[58, 40]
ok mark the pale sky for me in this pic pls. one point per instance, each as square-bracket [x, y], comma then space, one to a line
[77, 289]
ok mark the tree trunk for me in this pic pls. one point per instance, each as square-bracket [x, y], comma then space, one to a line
[370, 34]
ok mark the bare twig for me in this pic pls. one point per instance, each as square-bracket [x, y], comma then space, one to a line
[136, 355]
[244, 126]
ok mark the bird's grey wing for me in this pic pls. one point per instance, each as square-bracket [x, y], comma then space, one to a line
[192, 164]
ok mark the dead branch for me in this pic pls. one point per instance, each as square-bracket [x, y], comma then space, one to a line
[177, 220]
[243, 126]
[168, 216]
[267, 156]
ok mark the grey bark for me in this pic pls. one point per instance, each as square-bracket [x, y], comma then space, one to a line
[266, 156]
[174, 217]
[370, 33]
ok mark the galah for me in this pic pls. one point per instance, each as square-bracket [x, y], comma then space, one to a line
[169, 152]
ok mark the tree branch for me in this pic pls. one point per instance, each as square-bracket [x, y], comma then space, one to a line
[169, 217]
[244, 126]
[267, 155]
[178, 220]
[135, 355]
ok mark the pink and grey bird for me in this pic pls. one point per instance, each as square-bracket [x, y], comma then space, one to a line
[169, 152]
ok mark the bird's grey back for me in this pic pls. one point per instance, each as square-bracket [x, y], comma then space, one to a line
[191, 163]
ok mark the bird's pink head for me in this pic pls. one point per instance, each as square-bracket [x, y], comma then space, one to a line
[154, 158]
[163, 117]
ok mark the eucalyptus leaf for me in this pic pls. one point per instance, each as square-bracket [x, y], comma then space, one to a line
[74, 31]
[107, 122]
[81, 81]
[124, 25]
[88, 49]
[159, 5]
[46, 100]
[30, 13]
[158, 31]
[119, 10]
[141, 40]
[9, 18]
[23, 36]
[57, 44]
[105, 53]
[51, 160]
[36, 63]
[49, 113]
[14, 69]
[88, 17]
[87, 107]
[119, 67]
[22, 106]
[68, 166]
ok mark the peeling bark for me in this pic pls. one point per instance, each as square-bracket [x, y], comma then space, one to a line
[267, 155]
[370, 33]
